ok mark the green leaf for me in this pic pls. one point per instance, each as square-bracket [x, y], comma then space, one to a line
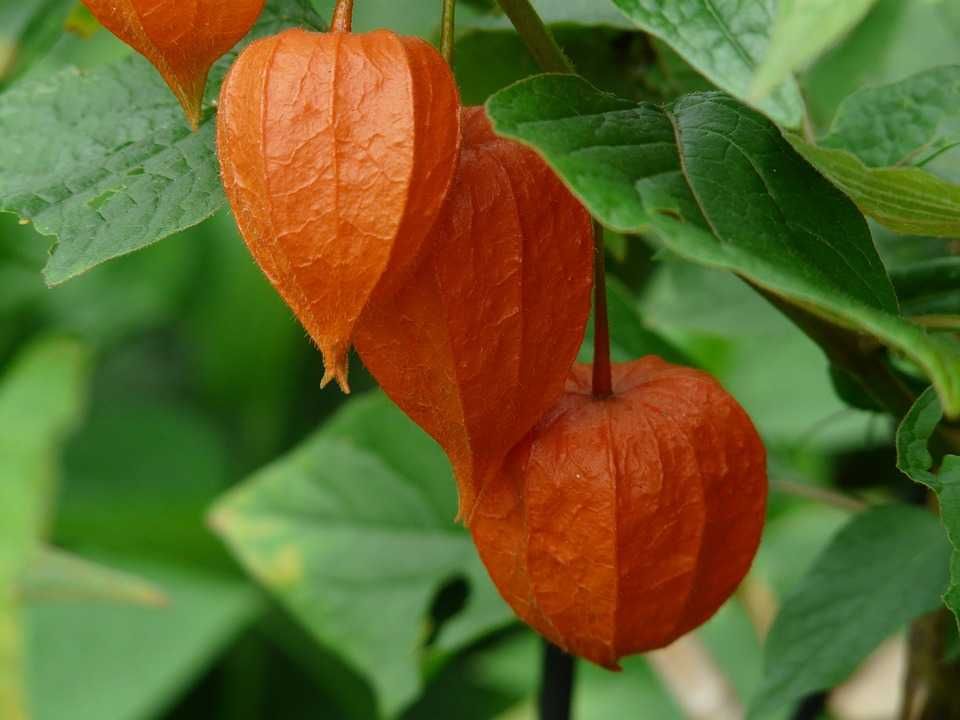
[880, 138]
[803, 30]
[138, 478]
[897, 39]
[725, 40]
[915, 460]
[54, 576]
[93, 661]
[41, 397]
[104, 161]
[902, 123]
[883, 569]
[354, 532]
[717, 183]
[907, 200]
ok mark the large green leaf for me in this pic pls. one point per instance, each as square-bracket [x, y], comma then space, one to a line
[137, 480]
[55, 576]
[908, 200]
[94, 661]
[725, 40]
[914, 459]
[41, 396]
[884, 568]
[104, 161]
[895, 40]
[718, 184]
[354, 532]
[902, 123]
[880, 138]
[804, 29]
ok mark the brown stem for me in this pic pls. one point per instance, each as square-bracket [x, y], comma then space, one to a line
[818, 494]
[930, 688]
[342, 17]
[602, 375]
[448, 30]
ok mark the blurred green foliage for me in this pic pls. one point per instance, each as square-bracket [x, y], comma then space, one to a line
[199, 377]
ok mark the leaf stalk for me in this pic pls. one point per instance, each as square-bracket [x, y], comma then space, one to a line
[448, 27]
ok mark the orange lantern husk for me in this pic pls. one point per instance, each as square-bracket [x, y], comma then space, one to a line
[181, 39]
[337, 151]
[478, 344]
[619, 525]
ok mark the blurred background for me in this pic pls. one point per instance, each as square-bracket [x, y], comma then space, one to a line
[155, 384]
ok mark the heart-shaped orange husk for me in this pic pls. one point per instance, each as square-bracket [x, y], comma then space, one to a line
[619, 525]
[182, 38]
[478, 344]
[337, 152]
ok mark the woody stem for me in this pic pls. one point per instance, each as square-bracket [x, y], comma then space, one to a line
[342, 16]
[447, 31]
[602, 377]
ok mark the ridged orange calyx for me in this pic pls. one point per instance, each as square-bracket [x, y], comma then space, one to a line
[478, 344]
[337, 151]
[620, 524]
[182, 38]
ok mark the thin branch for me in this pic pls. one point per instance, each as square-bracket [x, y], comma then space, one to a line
[537, 37]
[695, 681]
[448, 30]
[820, 495]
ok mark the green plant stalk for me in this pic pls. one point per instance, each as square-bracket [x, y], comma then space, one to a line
[537, 37]
[448, 29]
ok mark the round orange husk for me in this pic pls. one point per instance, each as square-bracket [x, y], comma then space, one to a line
[478, 344]
[182, 38]
[619, 525]
[337, 152]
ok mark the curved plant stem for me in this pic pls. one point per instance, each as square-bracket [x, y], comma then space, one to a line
[536, 36]
[342, 16]
[448, 30]
[556, 689]
[602, 379]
